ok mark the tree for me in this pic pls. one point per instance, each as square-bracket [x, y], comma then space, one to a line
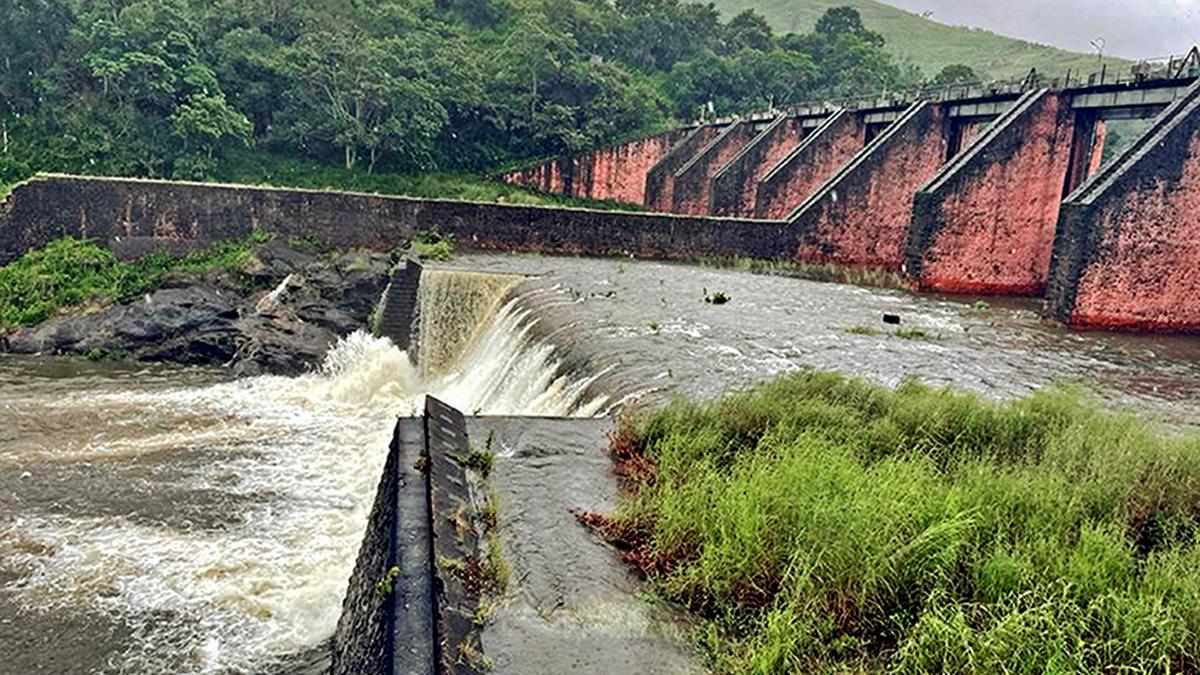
[846, 21]
[200, 123]
[956, 74]
[356, 93]
[747, 30]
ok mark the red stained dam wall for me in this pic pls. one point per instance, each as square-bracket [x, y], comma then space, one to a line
[694, 179]
[986, 223]
[660, 181]
[733, 189]
[1127, 255]
[861, 217]
[616, 173]
[803, 171]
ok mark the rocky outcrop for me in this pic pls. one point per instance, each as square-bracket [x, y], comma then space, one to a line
[216, 319]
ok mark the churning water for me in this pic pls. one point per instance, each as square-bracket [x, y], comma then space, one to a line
[211, 526]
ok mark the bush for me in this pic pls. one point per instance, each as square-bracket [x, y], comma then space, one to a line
[824, 524]
[69, 273]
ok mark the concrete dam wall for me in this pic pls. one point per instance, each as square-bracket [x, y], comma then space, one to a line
[986, 191]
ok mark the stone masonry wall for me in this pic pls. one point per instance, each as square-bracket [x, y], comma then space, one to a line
[660, 182]
[693, 181]
[986, 223]
[733, 189]
[803, 172]
[616, 173]
[1127, 255]
[167, 214]
[861, 217]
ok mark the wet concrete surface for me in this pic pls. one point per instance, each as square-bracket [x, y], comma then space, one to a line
[573, 605]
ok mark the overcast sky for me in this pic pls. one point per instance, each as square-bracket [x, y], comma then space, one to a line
[1130, 28]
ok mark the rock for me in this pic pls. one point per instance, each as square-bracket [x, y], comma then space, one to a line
[203, 319]
[280, 345]
[184, 325]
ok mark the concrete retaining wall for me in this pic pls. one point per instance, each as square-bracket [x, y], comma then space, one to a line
[861, 216]
[387, 622]
[734, 187]
[985, 224]
[115, 210]
[803, 171]
[1127, 252]
[616, 173]
[397, 315]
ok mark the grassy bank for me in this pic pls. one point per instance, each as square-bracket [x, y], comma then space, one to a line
[262, 168]
[71, 273]
[822, 524]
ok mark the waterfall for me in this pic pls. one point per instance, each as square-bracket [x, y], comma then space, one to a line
[286, 468]
[452, 308]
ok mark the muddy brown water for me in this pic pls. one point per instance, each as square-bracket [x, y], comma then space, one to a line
[165, 519]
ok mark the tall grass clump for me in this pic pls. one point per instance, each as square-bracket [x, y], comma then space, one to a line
[822, 524]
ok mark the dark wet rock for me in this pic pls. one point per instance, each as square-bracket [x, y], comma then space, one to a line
[280, 344]
[207, 319]
[191, 325]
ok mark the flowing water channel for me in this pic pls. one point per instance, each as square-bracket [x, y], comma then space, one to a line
[163, 520]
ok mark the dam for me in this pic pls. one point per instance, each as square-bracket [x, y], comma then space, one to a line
[165, 519]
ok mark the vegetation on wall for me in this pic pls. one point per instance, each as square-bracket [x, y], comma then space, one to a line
[826, 525]
[182, 88]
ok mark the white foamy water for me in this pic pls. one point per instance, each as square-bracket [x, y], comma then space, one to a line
[295, 461]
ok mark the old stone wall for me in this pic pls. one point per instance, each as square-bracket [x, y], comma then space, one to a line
[861, 216]
[734, 187]
[986, 223]
[803, 171]
[616, 173]
[694, 180]
[660, 182]
[1127, 253]
[173, 214]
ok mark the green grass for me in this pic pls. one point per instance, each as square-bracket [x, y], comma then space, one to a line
[928, 44]
[433, 246]
[821, 524]
[913, 334]
[264, 168]
[72, 273]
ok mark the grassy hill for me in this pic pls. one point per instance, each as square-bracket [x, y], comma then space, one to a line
[926, 43]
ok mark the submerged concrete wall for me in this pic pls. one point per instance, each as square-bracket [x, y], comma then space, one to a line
[179, 215]
[616, 173]
[986, 222]
[861, 216]
[734, 187]
[694, 180]
[1127, 252]
[803, 171]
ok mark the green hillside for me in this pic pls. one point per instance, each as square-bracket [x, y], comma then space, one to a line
[928, 44]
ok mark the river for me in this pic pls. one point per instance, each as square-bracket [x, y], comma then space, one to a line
[158, 519]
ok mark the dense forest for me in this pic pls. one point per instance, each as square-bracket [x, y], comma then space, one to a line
[175, 88]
